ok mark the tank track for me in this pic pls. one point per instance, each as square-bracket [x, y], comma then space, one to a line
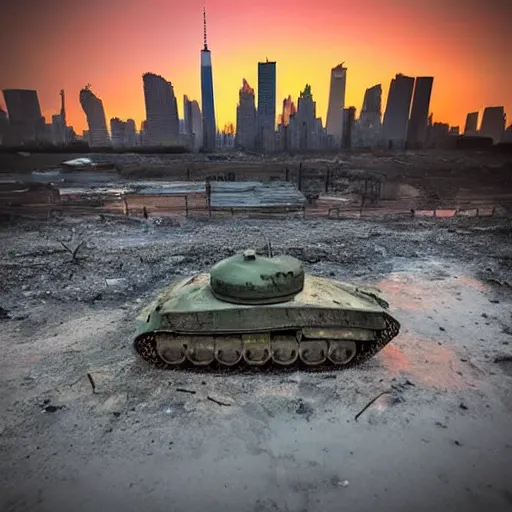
[145, 347]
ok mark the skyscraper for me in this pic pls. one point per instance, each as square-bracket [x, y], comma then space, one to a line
[246, 127]
[130, 134]
[207, 96]
[471, 126]
[368, 129]
[288, 111]
[493, 123]
[305, 131]
[417, 126]
[397, 111]
[96, 121]
[117, 131]
[162, 128]
[4, 124]
[26, 123]
[334, 123]
[266, 105]
[59, 129]
[348, 118]
[193, 122]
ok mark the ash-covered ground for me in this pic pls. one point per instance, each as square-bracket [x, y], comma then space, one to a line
[439, 439]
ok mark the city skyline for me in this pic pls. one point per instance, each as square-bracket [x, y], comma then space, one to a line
[373, 52]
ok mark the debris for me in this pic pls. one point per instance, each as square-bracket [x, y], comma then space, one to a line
[119, 281]
[440, 424]
[370, 403]
[304, 408]
[463, 406]
[52, 408]
[183, 390]
[218, 402]
[442, 329]
[73, 252]
[494, 301]
[457, 443]
[91, 380]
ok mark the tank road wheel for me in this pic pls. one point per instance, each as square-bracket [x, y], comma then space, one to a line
[172, 349]
[285, 350]
[228, 351]
[313, 353]
[341, 352]
[200, 350]
[256, 349]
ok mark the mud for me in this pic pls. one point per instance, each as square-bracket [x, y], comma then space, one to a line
[438, 439]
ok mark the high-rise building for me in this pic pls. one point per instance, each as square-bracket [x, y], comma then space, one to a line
[4, 124]
[96, 120]
[26, 123]
[162, 119]
[397, 111]
[246, 127]
[288, 110]
[334, 124]
[266, 105]
[348, 118]
[493, 123]
[131, 139]
[369, 125]
[187, 114]
[417, 125]
[305, 129]
[117, 132]
[207, 96]
[471, 126]
[193, 123]
[59, 131]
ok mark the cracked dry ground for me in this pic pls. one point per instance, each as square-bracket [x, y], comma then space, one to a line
[440, 439]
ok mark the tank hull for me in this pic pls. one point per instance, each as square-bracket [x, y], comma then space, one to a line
[327, 323]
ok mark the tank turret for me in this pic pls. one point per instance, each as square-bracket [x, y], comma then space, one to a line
[247, 278]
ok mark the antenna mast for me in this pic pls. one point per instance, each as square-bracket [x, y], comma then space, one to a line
[204, 24]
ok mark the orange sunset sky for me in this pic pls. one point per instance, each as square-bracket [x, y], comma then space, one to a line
[54, 44]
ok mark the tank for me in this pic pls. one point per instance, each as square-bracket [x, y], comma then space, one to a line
[257, 310]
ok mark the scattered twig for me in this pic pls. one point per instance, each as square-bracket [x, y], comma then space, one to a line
[73, 252]
[218, 402]
[183, 390]
[91, 380]
[370, 403]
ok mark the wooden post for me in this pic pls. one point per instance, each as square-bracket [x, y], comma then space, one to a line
[287, 174]
[186, 206]
[327, 179]
[188, 173]
[299, 185]
[125, 203]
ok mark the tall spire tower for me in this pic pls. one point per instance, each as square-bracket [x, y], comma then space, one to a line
[207, 97]
[204, 25]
